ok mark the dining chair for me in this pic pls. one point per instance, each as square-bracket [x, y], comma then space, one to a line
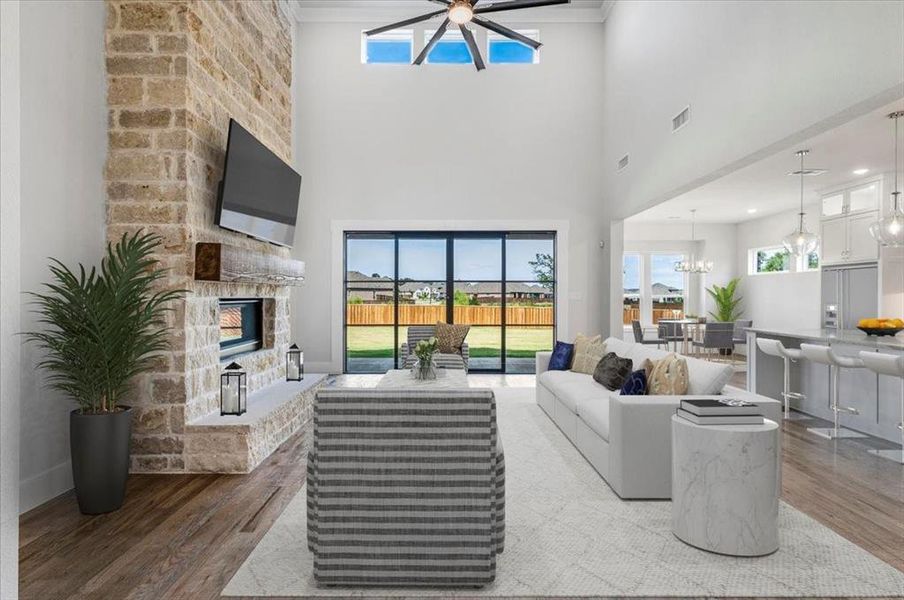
[671, 332]
[717, 336]
[638, 336]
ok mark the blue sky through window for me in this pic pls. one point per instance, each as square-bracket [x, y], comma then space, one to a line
[631, 278]
[510, 52]
[450, 52]
[425, 259]
[662, 268]
[388, 51]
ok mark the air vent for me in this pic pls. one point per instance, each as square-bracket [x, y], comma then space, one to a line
[808, 172]
[681, 119]
[623, 162]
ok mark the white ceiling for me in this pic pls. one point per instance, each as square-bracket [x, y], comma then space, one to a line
[578, 11]
[865, 142]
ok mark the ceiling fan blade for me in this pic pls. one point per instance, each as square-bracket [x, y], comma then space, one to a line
[472, 45]
[405, 23]
[443, 2]
[516, 4]
[436, 37]
[505, 31]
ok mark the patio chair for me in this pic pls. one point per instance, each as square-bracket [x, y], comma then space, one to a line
[417, 333]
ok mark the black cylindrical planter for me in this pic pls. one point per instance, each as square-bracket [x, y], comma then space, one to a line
[99, 444]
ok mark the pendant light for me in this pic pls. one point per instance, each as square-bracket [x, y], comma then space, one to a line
[889, 230]
[801, 242]
[693, 265]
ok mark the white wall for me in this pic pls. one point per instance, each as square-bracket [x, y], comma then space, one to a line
[63, 153]
[445, 144]
[779, 300]
[756, 75]
[10, 297]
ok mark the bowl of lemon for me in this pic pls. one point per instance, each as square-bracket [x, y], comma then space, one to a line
[881, 326]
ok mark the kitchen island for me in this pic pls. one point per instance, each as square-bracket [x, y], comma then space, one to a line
[877, 398]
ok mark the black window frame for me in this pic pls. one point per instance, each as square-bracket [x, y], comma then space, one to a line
[448, 283]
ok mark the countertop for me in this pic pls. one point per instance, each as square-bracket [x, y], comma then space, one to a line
[829, 336]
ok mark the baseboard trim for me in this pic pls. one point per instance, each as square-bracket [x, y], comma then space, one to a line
[38, 489]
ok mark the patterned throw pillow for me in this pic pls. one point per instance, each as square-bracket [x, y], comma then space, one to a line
[635, 384]
[561, 357]
[648, 366]
[449, 338]
[588, 351]
[669, 377]
[612, 371]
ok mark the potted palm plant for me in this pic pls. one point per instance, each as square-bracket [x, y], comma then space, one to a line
[99, 331]
[728, 308]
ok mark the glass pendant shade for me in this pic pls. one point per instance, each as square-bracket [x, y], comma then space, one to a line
[889, 230]
[801, 242]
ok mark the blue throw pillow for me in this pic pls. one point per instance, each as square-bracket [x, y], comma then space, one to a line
[635, 384]
[561, 357]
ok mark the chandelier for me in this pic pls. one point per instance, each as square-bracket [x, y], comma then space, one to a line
[694, 265]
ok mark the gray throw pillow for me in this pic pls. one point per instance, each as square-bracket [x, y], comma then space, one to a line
[611, 371]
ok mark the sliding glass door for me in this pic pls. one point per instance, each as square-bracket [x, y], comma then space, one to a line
[501, 284]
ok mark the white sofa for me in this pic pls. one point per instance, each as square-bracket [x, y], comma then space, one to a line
[628, 439]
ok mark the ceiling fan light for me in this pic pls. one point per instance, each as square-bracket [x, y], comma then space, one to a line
[461, 12]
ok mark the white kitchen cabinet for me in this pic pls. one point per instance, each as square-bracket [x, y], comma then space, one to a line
[833, 241]
[833, 206]
[847, 239]
[862, 246]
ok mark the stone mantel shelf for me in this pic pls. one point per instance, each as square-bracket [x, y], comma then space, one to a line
[231, 264]
[262, 402]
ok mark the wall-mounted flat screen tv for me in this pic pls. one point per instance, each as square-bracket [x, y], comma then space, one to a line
[259, 191]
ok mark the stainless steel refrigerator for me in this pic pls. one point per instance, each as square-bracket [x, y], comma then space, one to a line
[849, 293]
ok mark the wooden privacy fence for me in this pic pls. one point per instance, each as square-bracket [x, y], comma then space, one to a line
[428, 314]
[633, 314]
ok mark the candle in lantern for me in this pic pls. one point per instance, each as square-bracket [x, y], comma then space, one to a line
[230, 399]
[293, 370]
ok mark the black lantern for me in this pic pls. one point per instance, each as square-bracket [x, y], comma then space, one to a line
[294, 364]
[233, 390]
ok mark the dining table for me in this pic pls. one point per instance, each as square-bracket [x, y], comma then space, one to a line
[686, 325]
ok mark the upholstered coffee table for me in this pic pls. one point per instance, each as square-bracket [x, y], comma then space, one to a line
[445, 379]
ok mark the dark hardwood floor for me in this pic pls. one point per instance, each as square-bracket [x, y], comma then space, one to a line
[183, 536]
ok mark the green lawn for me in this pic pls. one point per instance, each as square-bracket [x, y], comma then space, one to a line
[522, 342]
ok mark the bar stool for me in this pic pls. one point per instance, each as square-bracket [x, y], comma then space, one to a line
[888, 364]
[788, 355]
[826, 356]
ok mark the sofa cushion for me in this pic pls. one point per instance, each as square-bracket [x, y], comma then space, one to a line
[587, 353]
[561, 357]
[704, 377]
[595, 413]
[571, 388]
[669, 377]
[612, 371]
[635, 384]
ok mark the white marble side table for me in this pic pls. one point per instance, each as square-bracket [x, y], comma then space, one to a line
[726, 481]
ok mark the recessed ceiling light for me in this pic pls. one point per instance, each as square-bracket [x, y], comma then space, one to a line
[861, 171]
[750, 211]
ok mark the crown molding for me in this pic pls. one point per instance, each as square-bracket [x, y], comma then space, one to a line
[367, 11]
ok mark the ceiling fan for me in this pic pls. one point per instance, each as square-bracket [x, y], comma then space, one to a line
[462, 12]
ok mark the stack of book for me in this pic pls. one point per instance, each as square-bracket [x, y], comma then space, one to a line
[721, 412]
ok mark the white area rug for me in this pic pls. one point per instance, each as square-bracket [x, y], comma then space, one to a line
[568, 534]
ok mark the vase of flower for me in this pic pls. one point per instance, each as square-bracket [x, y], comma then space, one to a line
[425, 367]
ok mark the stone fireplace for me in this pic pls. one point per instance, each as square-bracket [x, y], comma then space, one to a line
[176, 72]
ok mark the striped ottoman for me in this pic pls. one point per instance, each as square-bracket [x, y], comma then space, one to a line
[405, 487]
